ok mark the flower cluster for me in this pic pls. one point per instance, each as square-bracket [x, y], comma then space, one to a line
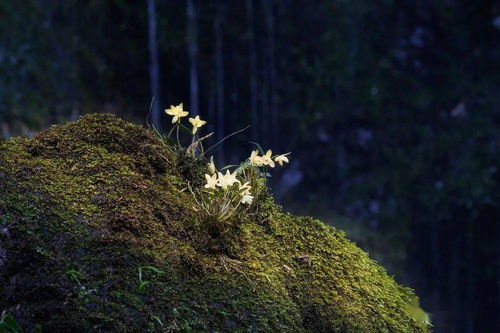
[178, 112]
[224, 193]
[226, 182]
[229, 191]
[267, 159]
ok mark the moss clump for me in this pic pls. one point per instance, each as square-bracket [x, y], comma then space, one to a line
[83, 206]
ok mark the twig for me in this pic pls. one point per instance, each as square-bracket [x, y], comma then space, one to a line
[227, 137]
[194, 144]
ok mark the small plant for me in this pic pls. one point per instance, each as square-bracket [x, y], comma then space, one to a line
[224, 193]
[75, 276]
[143, 284]
[177, 113]
[158, 320]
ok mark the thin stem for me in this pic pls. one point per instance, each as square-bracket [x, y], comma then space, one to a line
[178, 141]
[225, 138]
[170, 132]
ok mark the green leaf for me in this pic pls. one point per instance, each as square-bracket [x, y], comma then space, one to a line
[228, 166]
[158, 320]
[154, 269]
[74, 275]
[143, 285]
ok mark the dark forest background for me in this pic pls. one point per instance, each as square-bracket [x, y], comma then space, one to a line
[391, 109]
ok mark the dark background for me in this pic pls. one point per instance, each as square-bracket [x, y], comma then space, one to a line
[390, 108]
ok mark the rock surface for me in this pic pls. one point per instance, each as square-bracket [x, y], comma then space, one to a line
[97, 233]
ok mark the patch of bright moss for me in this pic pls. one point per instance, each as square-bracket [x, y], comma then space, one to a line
[102, 197]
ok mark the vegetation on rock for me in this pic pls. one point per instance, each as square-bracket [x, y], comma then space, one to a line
[97, 233]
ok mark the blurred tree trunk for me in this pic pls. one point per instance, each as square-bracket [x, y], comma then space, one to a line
[234, 121]
[219, 79]
[192, 45]
[154, 68]
[51, 10]
[211, 101]
[253, 71]
[264, 103]
[271, 64]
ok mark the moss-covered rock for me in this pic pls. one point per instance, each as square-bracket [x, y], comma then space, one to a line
[97, 233]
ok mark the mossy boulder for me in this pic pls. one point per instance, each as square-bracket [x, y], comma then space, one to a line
[98, 233]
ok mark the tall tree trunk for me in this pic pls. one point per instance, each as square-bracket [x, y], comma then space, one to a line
[271, 49]
[192, 45]
[265, 88]
[51, 10]
[234, 122]
[264, 102]
[219, 79]
[212, 117]
[154, 68]
[253, 73]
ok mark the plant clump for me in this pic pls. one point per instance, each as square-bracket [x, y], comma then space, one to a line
[102, 228]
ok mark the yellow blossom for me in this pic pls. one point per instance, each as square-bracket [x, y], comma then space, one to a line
[247, 199]
[176, 112]
[267, 160]
[255, 159]
[280, 159]
[197, 123]
[227, 180]
[211, 181]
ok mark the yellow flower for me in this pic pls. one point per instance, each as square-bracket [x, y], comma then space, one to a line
[227, 180]
[280, 159]
[267, 160]
[247, 199]
[176, 112]
[255, 159]
[197, 123]
[211, 181]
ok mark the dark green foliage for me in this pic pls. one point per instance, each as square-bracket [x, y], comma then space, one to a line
[98, 234]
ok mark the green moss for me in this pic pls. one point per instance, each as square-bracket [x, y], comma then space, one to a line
[103, 197]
